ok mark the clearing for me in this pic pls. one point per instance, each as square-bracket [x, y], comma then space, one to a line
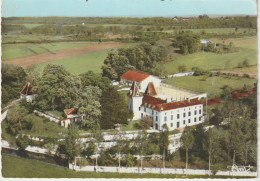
[61, 54]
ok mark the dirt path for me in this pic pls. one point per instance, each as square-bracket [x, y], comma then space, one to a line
[60, 54]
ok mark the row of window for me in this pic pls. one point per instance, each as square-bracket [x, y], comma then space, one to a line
[184, 122]
[184, 115]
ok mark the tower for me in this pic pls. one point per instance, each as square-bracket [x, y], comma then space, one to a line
[135, 101]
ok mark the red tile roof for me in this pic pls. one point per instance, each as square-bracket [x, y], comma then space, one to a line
[162, 105]
[135, 76]
[212, 101]
[179, 104]
[151, 101]
[27, 90]
[150, 90]
[71, 111]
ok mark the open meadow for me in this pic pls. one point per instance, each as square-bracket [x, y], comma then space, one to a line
[218, 61]
[210, 85]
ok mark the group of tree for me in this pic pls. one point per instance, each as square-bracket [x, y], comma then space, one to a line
[57, 89]
[188, 42]
[143, 57]
[232, 140]
[203, 21]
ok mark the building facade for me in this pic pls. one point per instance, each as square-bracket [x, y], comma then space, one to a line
[166, 105]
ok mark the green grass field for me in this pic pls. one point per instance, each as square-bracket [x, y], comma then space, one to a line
[10, 51]
[211, 61]
[196, 83]
[17, 167]
[83, 63]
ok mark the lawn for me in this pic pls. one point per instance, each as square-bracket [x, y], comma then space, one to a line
[41, 127]
[251, 69]
[44, 128]
[211, 61]
[10, 51]
[83, 63]
[17, 167]
[197, 83]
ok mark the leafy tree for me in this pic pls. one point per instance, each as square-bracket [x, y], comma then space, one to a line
[164, 141]
[93, 79]
[13, 81]
[187, 140]
[22, 142]
[198, 134]
[211, 144]
[129, 160]
[72, 148]
[90, 150]
[57, 89]
[17, 119]
[142, 57]
[188, 42]
[33, 76]
[146, 122]
[226, 92]
[89, 104]
[113, 109]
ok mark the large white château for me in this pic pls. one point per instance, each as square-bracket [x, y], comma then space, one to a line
[176, 107]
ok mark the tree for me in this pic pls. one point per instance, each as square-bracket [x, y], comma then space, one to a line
[17, 118]
[22, 142]
[211, 144]
[33, 76]
[13, 80]
[188, 42]
[90, 150]
[93, 79]
[187, 140]
[113, 109]
[57, 89]
[129, 160]
[226, 92]
[72, 147]
[146, 122]
[89, 104]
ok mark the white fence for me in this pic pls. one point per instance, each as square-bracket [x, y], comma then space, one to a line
[230, 173]
[140, 170]
[181, 74]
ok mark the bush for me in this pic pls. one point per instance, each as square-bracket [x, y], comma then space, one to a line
[22, 142]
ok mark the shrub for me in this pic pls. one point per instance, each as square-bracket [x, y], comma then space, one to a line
[22, 142]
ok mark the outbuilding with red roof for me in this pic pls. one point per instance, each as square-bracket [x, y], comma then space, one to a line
[141, 79]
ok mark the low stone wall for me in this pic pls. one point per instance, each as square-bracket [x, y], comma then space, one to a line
[139, 170]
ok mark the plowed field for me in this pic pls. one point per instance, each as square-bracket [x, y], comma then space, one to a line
[60, 54]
